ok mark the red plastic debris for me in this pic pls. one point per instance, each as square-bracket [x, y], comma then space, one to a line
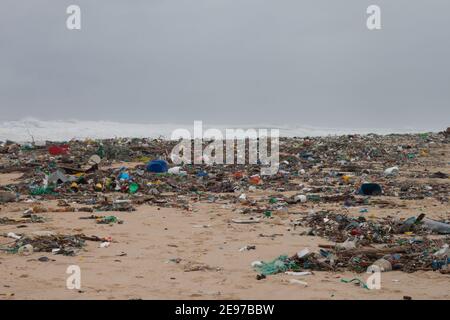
[58, 150]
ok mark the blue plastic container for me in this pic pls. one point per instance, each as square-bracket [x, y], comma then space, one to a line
[124, 176]
[157, 166]
[201, 174]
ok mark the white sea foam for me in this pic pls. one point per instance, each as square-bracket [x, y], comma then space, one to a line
[39, 130]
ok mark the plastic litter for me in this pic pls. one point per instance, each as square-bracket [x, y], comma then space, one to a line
[157, 166]
[370, 189]
[381, 265]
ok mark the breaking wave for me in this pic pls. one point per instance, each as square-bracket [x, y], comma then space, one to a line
[63, 130]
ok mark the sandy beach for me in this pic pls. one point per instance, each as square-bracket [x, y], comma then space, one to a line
[193, 251]
[226, 152]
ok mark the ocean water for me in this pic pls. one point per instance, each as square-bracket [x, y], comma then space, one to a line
[63, 130]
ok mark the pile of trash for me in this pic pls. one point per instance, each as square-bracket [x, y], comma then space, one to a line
[408, 256]
[351, 170]
[341, 228]
[336, 168]
[103, 219]
[67, 245]
[8, 221]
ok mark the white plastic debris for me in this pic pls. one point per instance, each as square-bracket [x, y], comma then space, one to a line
[300, 198]
[174, 170]
[13, 235]
[303, 253]
[303, 273]
[119, 201]
[256, 264]
[296, 281]
[243, 221]
[347, 245]
[381, 265]
[246, 248]
[442, 252]
[393, 171]
[105, 244]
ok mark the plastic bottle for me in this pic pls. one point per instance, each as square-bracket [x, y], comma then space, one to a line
[13, 235]
[436, 226]
[381, 265]
[25, 250]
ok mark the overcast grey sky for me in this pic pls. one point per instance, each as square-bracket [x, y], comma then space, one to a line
[228, 61]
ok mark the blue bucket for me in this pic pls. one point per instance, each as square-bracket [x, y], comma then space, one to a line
[157, 166]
